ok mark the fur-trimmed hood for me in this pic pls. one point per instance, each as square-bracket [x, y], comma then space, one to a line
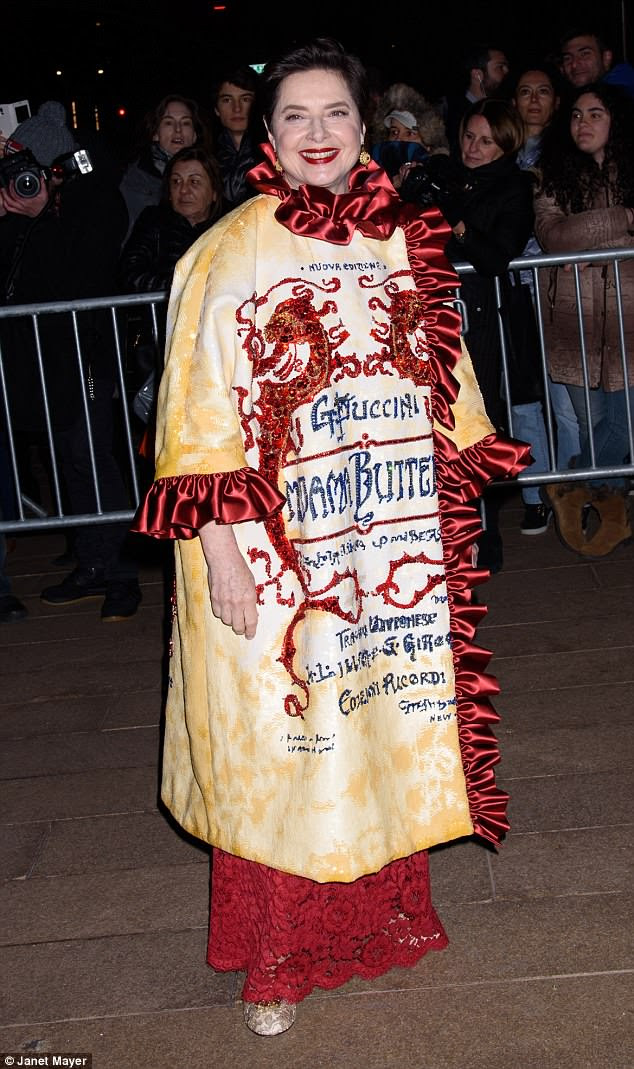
[401, 97]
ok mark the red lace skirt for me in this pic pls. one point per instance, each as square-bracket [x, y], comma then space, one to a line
[290, 934]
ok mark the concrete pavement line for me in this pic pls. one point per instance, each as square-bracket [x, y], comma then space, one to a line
[322, 997]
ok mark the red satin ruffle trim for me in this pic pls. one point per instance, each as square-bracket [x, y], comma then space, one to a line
[461, 476]
[371, 205]
[178, 506]
[426, 235]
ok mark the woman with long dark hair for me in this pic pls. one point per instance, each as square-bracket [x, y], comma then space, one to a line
[536, 97]
[174, 124]
[586, 201]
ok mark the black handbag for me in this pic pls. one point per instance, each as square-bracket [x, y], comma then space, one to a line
[521, 336]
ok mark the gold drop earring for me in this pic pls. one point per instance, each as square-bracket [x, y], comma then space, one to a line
[364, 156]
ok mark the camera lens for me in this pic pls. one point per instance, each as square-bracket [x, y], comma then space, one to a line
[27, 184]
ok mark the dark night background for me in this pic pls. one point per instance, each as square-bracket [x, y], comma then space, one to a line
[148, 48]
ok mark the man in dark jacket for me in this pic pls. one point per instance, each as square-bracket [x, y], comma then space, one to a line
[63, 244]
[236, 144]
[486, 69]
[585, 57]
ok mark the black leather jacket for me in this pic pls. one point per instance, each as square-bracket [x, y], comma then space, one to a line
[158, 240]
[234, 165]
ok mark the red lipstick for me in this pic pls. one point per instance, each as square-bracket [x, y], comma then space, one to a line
[319, 156]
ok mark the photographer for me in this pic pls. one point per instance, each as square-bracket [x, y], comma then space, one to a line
[60, 235]
[487, 201]
[406, 128]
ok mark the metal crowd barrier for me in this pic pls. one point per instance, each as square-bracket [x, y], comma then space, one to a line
[33, 515]
[576, 262]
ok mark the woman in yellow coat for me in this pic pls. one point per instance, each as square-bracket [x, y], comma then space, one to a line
[320, 433]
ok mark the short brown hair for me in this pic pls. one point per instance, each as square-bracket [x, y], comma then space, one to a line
[322, 54]
[507, 129]
[193, 152]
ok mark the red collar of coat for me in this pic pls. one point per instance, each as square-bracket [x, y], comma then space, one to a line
[371, 204]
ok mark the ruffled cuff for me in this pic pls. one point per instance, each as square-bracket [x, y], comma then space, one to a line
[178, 506]
[471, 469]
[461, 476]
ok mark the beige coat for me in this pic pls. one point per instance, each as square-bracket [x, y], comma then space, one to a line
[602, 227]
[371, 770]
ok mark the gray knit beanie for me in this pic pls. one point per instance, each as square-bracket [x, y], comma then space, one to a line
[46, 133]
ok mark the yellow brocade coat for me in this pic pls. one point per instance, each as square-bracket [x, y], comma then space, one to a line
[329, 744]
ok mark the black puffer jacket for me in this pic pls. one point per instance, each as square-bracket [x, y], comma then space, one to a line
[497, 209]
[159, 238]
[495, 202]
[498, 214]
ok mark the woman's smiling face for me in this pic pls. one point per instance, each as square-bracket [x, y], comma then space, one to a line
[316, 130]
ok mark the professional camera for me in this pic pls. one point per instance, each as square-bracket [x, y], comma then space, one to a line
[433, 182]
[438, 182]
[71, 164]
[21, 168]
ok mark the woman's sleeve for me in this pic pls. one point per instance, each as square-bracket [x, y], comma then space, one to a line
[138, 265]
[491, 250]
[201, 468]
[594, 229]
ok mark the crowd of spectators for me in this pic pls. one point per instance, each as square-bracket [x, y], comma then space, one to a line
[553, 136]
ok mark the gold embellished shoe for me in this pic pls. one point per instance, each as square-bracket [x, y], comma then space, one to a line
[269, 1018]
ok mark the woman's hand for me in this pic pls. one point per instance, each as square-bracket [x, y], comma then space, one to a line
[231, 584]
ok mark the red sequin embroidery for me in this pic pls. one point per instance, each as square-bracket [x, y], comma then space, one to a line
[286, 376]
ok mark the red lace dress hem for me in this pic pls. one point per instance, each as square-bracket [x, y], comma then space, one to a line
[291, 934]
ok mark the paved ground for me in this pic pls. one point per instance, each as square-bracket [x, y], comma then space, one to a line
[104, 904]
